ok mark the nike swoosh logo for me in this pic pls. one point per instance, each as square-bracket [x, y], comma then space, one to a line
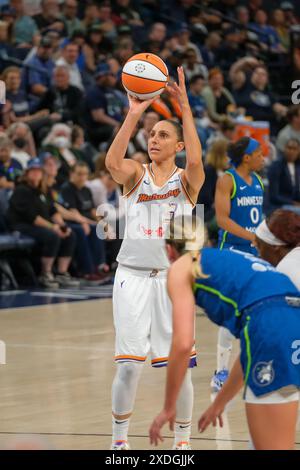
[122, 283]
[243, 187]
[146, 182]
[183, 427]
[118, 422]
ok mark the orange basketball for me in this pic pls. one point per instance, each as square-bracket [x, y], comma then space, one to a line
[145, 76]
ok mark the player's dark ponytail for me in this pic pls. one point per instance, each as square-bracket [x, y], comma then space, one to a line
[236, 150]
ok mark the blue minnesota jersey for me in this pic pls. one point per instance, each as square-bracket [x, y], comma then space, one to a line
[236, 281]
[246, 207]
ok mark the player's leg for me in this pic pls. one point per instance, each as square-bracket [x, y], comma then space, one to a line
[132, 326]
[123, 398]
[161, 337]
[272, 426]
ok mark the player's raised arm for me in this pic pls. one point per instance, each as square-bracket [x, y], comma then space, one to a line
[194, 172]
[126, 171]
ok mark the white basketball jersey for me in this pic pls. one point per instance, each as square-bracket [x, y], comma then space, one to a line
[149, 209]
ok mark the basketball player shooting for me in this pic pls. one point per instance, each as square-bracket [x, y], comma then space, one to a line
[141, 306]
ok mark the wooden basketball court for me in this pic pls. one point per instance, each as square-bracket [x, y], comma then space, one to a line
[56, 383]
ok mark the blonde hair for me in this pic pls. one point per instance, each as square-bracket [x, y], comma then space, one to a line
[217, 154]
[188, 235]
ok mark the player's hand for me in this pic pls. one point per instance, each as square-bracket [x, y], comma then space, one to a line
[178, 91]
[211, 415]
[158, 423]
[138, 107]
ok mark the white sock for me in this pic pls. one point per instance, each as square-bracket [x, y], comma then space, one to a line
[250, 444]
[120, 429]
[182, 432]
[184, 410]
[224, 348]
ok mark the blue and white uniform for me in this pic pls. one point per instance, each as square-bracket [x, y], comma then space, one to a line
[261, 307]
[246, 210]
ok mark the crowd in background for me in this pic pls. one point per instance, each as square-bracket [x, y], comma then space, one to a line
[61, 62]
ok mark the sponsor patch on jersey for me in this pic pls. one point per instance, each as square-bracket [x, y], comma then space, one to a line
[158, 197]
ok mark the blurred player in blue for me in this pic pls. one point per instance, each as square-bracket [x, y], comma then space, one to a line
[261, 307]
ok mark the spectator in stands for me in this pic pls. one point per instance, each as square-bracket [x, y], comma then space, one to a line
[32, 215]
[23, 148]
[280, 25]
[289, 13]
[291, 130]
[156, 38]
[253, 7]
[192, 66]
[69, 59]
[49, 16]
[106, 106]
[184, 43]
[199, 108]
[107, 194]
[91, 15]
[58, 143]
[63, 100]
[10, 169]
[105, 18]
[70, 16]
[216, 164]
[78, 198]
[37, 78]
[217, 97]
[96, 47]
[81, 149]
[149, 120]
[25, 30]
[267, 35]
[232, 47]
[284, 178]
[225, 131]
[6, 48]
[124, 50]
[210, 49]
[242, 16]
[20, 105]
[253, 93]
[123, 13]
[49, 189]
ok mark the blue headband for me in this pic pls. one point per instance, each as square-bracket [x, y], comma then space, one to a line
[252, 146]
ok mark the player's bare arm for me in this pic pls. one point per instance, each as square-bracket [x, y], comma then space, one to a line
[126, 171]
[193, 174]
[222, 205]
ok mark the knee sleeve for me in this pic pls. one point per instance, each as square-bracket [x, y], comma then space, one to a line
[124, 387]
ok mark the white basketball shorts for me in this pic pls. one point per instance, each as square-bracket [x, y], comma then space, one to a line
[283, 395]
[142, 316]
